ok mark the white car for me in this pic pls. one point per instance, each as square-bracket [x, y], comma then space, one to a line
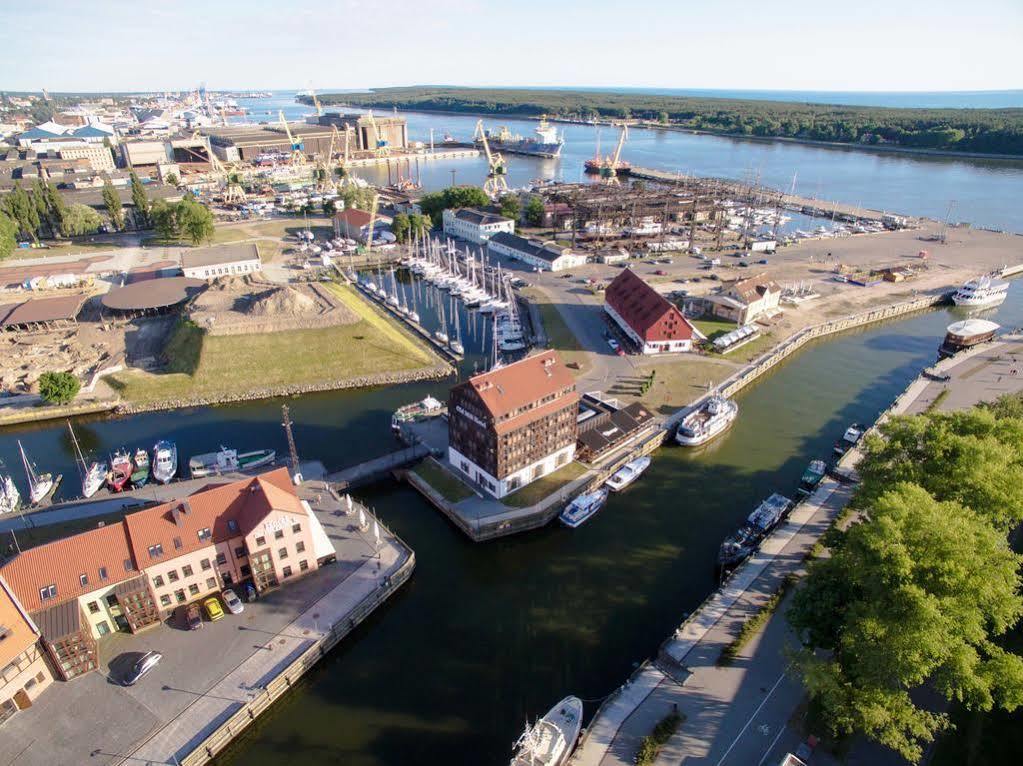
[233, 603]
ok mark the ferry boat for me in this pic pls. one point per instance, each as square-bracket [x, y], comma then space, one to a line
[421, 410]
[812, 476]
[849, 439]
[962, 335]
[712, 418]
[982, 291]
[628, 473]
[10, 497]
[120, 470]
[583, 507]
[224, 459]
[140, 476]
[165, 461]
[547, 143]
[550, 741]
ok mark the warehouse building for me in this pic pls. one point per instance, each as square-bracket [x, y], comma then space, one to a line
[649, 319]
[224, 261]
[543, 256]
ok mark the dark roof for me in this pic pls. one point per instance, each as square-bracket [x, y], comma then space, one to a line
[477, 217]
[152, 294]
[59, 621]
[531, 247]
[45, 310]
[643, 308]
[214, 256]
[94, 197]
[600, 434]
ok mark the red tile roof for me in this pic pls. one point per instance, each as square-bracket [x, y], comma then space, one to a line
[646, 311]
[353, 217]
[527, 381]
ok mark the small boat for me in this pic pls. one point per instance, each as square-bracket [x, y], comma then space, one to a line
[983, 291]
[583, 507]
[628, 473]
[10, 498]
[737, 548]
[40, 486]
[766, 516]
[712, 418]
[94, 475]
[849, 439]
[509, 346]
[421, 410]
[960, 336]
[165, 461]
[140, 476]
[812, 476]
[120, 470]
[550, 741]
[223, 460]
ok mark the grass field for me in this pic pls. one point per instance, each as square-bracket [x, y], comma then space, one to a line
[204, 366]
[443, 481]
[713, 328]
[561, 338]
[531, 494]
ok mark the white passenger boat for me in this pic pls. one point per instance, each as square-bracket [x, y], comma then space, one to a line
[710, 419]
[583, 507]
[550, 740]
[983, 291]
[165, 461]
[224, 460]
[628, 473]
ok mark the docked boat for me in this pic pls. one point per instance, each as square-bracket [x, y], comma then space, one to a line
[710, 419]
[583, 507]
[960, 336]
[10, 497]
[812, 476]
[121, 468]
[980, 292]
[550, 741]
[628, 473]
[766, 516]
[737, 548]
[547, 143]
[849, 439]
[224, 460]
[94, 475]
[140, 476]
[421, 410]
[41, 485]
[165, 461]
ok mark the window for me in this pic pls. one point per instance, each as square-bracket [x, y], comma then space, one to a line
[211, 582]
[193, 589]
[221, 559]
[204, 534]
[83, 579]
[239, 552]
[165, 600]
[286, 571]
[177, 543]
[128, 566]
[299, 547]
[93, 607]
[282, 553]
[172, 575]
[260, 541]
[158, 581]
[205, 564]
[296, 528]
[156, 551]
[186, 571]
[47, 592]
[245, 570]
[303, 565]
[232, 526]
[279, 534]
[180, 596]
[102, 627]
[112, 599]
[103, 574]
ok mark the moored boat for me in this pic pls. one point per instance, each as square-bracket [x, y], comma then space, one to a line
[628, 473]
[224, 459]
[583, 507]
[10, 497]
[409, 413]
[960, 336]
[849, 439]
[140, 476]
[982, 291]
[165, 461]
[550, 741]
[769, 513]
[94, 475]
[710, 419]
[40, 486]
[812, 476]
[120, 470]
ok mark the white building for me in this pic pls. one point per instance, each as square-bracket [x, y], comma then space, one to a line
[540, 255]
[474, 225]
[222, 261]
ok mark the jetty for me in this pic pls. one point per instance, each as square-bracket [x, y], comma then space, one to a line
[378, 468]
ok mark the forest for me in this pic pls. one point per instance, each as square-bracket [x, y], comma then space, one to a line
[986, 131]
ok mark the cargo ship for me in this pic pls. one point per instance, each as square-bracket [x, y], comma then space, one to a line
[547, 143]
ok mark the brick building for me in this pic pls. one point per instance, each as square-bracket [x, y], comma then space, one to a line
[650, 320]
[513, 425]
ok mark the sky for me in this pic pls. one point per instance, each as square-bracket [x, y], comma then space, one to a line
[871, 45]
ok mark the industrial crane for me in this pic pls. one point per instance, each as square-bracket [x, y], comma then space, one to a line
[610, 171]
[379, 147]
[297, 148]
[372, 220]
[316, 103]
[496, 182]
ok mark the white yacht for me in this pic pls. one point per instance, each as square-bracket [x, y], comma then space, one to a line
[10, 498]
[982, 291]
[711, 418]
[165, 461]
[551, 740]
[583, 507]
[628, 473]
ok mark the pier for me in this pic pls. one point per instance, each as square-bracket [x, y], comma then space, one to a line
[378, 468]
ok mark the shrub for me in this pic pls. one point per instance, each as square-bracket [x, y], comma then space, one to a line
[58, 387]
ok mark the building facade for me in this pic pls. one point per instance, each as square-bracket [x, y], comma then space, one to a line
[99, 156]
[748, 299]
[474, 225]
[225, 261]
[24, 672]
[542, 256]
[513, 425]
[649, 319]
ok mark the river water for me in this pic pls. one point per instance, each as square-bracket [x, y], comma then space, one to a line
[484, 636]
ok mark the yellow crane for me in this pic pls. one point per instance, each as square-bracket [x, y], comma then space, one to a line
[610, 172]
[316, 103]
[377, 148]
[496, 182]
[297, 147]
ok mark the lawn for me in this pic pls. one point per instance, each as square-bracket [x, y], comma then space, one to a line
[442, 480]
[561, 338]
[713, 328]
[199, 365]
[531, 494]
[678, 381]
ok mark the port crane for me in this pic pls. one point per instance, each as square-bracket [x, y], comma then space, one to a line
[610, 170]
[297, 147]
[496, 182]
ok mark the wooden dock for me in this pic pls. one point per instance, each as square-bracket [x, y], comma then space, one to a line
[378, 468]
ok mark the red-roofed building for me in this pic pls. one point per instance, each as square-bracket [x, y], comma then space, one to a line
[25, 671]
[510, 426]
[650, 320]
[354, 224]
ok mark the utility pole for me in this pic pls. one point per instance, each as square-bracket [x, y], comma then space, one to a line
[292, 450]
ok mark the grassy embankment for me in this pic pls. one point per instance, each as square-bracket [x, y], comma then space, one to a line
[448, 485]
[203, 366]
[531, 494]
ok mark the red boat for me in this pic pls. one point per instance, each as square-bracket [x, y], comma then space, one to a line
[121, 468]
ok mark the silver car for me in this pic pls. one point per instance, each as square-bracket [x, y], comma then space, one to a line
[143, 665]
[234, 604]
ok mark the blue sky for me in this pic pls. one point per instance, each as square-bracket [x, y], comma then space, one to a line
[759, 44]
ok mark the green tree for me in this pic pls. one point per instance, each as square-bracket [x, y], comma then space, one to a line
[194, 221]
[81, 219]
[435, 203]
[58, 387]
[114, 208]
[400, 227]
[8, 236]
[172, 179]
[141, 202]
[329, 208]
[19, 206]
[165, 220]
[57, 209]
[535, 211]
[914, 593]
[510, 206]
[662, 117]
[419, 225]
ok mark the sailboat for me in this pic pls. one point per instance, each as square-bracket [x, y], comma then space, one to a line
[40, 486]
[456, 342]
[94, 474]
[441, 334]
[10, 498]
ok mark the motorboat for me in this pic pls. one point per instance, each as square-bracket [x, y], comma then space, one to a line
[165, 461]
[766, 516]
[550, 741]
[981, 292]
[140, 476]
[628, 473]
[583, 507]
[121, 469]
[225, 460]
[10, 497]
[812, 476]
[710, 419]
[849, 439]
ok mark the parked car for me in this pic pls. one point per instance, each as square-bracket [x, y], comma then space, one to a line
[232, 602]
[143, 665]
[743, 265]
[213, 609]
[661, 273]
[193, 617]
[762, 261]
[566, 276]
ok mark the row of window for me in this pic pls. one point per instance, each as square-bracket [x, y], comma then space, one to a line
[278, 534]
[187, 571]
[193, 590]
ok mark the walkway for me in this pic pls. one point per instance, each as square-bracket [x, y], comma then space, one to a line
[381, 466]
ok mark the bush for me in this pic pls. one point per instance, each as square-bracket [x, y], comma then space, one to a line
[653, 742]
[58, 387]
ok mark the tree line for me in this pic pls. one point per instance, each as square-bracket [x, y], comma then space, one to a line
[988, 131]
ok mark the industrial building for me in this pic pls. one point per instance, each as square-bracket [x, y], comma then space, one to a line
[542, 256]
[649, 319]
[224, 261]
